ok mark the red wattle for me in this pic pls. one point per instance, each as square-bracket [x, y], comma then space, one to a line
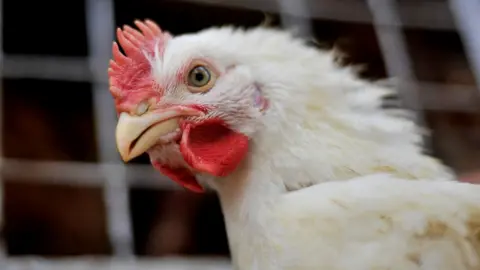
[180, 175]
[211, 147]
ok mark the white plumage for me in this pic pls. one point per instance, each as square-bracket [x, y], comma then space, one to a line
[331, 181]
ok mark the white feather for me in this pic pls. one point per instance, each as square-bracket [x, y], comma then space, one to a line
[332, 180]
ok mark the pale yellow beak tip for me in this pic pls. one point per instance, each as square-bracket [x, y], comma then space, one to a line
[125, 156]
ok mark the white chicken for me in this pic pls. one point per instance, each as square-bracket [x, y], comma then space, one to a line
[311, 171]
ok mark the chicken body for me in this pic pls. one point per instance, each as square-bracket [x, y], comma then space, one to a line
[311, 171]
[372, 222]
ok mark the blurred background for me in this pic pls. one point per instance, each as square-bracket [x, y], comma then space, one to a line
[68, 201]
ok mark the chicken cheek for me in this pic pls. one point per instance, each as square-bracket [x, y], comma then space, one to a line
[211, 147]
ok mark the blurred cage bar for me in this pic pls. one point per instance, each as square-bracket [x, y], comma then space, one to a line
[389, 21]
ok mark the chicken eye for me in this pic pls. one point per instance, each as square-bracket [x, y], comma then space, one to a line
[200, 79]
[199, 76]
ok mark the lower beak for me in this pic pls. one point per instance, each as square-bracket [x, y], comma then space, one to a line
[136, 134]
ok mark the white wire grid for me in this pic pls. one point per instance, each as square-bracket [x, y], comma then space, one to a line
[115, 177]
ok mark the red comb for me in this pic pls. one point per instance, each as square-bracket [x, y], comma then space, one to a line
[131, 71]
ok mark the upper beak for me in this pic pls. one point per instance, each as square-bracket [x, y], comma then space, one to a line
[136, 134]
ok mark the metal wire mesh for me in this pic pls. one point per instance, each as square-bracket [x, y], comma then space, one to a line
[388, 17]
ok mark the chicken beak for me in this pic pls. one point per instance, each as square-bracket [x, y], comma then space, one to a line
[136, 134]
